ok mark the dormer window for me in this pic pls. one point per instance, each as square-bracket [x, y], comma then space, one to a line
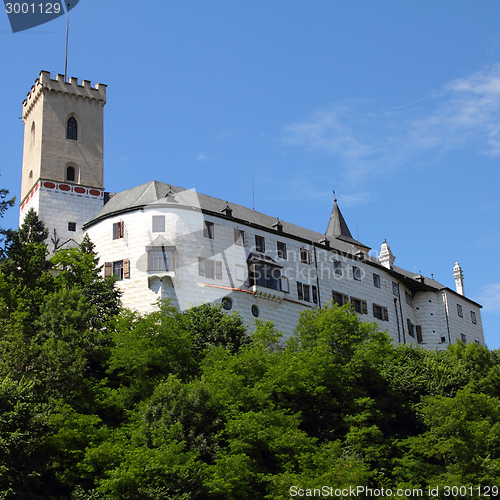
[72, 129]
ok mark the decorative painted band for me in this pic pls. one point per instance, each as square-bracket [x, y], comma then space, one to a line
[75, 189]
[62, 187]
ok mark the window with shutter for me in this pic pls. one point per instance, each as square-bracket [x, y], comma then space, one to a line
[118, 269]
[356, 303]
[386, 313]
[419, 333]
[108, 269]
[300, 295]
[411, 328]
[209, 268]
[364, 307]
[315, 294]
[118, 230]
[218, 270]
[126, 269]
[306, 293]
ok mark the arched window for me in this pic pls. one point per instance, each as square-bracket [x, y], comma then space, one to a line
[32, 134]
[70, 174]
[71, 129]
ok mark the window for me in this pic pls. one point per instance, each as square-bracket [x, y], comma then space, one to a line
[285, 284]
[473, 317]
[360, 306]
[356, 273]
[71, 226]
[300, 293]
[118, 230]
[307, 292]
[70, 174]
[160, 259]
[255, 311]
[209, 268]
[227, 304]
[158, 223]
[32, 142]
[384, 312]
[266, 275]
[376, 281]
[418, 328]
[411, 328]
[460, 311]
[239, 237]
[260, 244]
[378, 312]
[208, 230]
[72, 129]
[305, 256]
[119, 268]
[395, 289]
[409, 299]
[281, 250]
[337, 267]
[339, 298]
[463, 338]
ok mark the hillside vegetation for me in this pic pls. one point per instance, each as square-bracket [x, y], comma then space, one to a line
[98, 402]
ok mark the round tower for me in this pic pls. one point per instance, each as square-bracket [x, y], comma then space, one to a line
[62, 176]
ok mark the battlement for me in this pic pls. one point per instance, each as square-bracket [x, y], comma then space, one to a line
[59, 85]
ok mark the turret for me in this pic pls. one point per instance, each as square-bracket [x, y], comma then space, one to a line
[386, 257]
[459, 278]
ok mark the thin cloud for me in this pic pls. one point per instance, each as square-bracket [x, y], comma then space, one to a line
[463, 113]
[490, 298]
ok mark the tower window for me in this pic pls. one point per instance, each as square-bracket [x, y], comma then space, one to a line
[72, 129]
[70, 174]
[32, 134]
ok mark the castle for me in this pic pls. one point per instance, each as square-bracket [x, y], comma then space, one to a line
[162, 241]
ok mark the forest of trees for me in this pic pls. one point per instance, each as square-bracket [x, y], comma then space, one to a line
[99, 402]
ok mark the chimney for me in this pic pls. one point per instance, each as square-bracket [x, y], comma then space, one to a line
[459, 278]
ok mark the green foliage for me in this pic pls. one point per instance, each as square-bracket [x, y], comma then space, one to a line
[98, 402]
[4, 206]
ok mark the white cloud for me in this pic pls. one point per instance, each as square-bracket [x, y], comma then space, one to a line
[464, 113]
[489, 298]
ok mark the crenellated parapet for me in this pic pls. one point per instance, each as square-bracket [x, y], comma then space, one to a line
[45, 83]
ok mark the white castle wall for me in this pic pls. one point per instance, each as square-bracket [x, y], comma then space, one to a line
[60, 203]
[185, 287]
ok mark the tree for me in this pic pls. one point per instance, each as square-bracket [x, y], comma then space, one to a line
[4, 206]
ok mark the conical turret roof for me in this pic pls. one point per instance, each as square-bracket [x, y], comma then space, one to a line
[338, 229]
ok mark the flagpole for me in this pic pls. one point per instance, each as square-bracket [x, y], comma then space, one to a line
[67, 31]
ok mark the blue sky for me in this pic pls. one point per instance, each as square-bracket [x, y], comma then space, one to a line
[395, 105]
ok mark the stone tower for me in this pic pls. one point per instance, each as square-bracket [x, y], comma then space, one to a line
[62, 177]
